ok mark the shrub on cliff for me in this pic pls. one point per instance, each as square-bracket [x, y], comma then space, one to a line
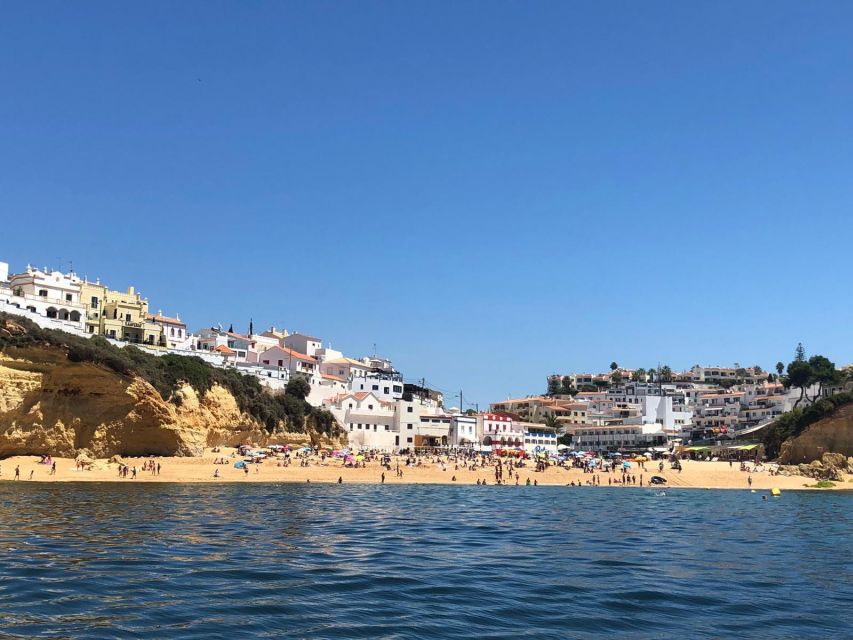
[166, 373]
[793, 423]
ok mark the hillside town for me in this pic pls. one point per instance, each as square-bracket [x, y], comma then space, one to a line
[622, 410]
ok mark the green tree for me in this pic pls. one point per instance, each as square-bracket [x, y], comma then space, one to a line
[613, 366]
[639, 375]
[824, 374]
[554, 386]
[799, 375]
[552, 422]
[616, 377]
[601, 384]
[800, 353]
[568, 388]
[665, 374]
[651, 375]
[757, 370]
[780, 368]
[740, 374]
[298, 387]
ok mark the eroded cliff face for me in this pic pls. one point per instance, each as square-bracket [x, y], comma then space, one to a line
[833, 434]
[51, 405]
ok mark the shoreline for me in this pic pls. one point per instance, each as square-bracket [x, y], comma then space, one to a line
[200, 470]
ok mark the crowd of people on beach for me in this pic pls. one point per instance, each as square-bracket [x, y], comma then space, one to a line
[477, 467]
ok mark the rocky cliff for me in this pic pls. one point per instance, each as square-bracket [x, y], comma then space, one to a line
[51, 405]
[831, 434]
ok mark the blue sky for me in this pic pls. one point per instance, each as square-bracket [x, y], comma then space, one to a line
[489, 191]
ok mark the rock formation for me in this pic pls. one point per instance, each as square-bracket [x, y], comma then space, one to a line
[831, 434]
[51, 405]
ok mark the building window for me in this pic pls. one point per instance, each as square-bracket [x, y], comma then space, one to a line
[370, 406]
[376, 387]
[408, 409]
[408, 439]
[43, 293]
[67, 297]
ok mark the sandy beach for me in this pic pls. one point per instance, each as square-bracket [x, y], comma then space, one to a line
[696, 475]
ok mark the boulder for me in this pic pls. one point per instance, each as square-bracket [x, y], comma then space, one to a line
[835, 460]
[116, 459]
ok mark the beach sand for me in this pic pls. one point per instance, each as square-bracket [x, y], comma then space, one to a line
[698, 475]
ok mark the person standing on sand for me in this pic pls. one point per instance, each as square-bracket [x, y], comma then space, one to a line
[246, 471]
[383, 477]
[17, 472]
[32, 471]
[749, 480]
[340, 480]
[53, 469]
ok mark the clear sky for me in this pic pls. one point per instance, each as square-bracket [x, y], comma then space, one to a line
[489, 191]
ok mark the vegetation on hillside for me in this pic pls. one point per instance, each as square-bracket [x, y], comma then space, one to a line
[166, 373]
[794, 422]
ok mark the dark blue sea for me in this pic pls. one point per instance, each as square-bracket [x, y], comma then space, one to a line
[358, 561]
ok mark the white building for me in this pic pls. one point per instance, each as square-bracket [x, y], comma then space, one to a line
[539, 438]
[463, 431]
[302, 344]
[368, 422]
[499, 432]
[345, 368]
[294, 361]
[659, 410]
[233, 346]
[387, 386]
[49, 294]
[175, 334]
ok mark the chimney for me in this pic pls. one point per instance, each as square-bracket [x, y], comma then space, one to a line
[130, 291]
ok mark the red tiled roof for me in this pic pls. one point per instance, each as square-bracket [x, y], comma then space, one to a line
[223, 349]
[165, 319]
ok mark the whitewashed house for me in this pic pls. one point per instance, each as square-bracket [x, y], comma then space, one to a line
[50, 294]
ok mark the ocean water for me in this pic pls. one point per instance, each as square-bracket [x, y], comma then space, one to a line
[357, 561]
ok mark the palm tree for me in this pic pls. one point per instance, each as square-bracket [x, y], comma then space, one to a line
[552, 422]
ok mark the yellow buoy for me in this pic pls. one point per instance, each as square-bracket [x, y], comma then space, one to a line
[775, 492]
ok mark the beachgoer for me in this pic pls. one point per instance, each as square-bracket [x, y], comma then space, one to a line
[216, 473]
[340, 480]
[53, 469]
[32, 471]
[383, 477]
[749, 480]
[17, 472]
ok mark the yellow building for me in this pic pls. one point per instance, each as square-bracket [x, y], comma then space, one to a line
[119, 315]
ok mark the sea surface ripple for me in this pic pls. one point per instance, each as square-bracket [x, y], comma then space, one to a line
[358, 561]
